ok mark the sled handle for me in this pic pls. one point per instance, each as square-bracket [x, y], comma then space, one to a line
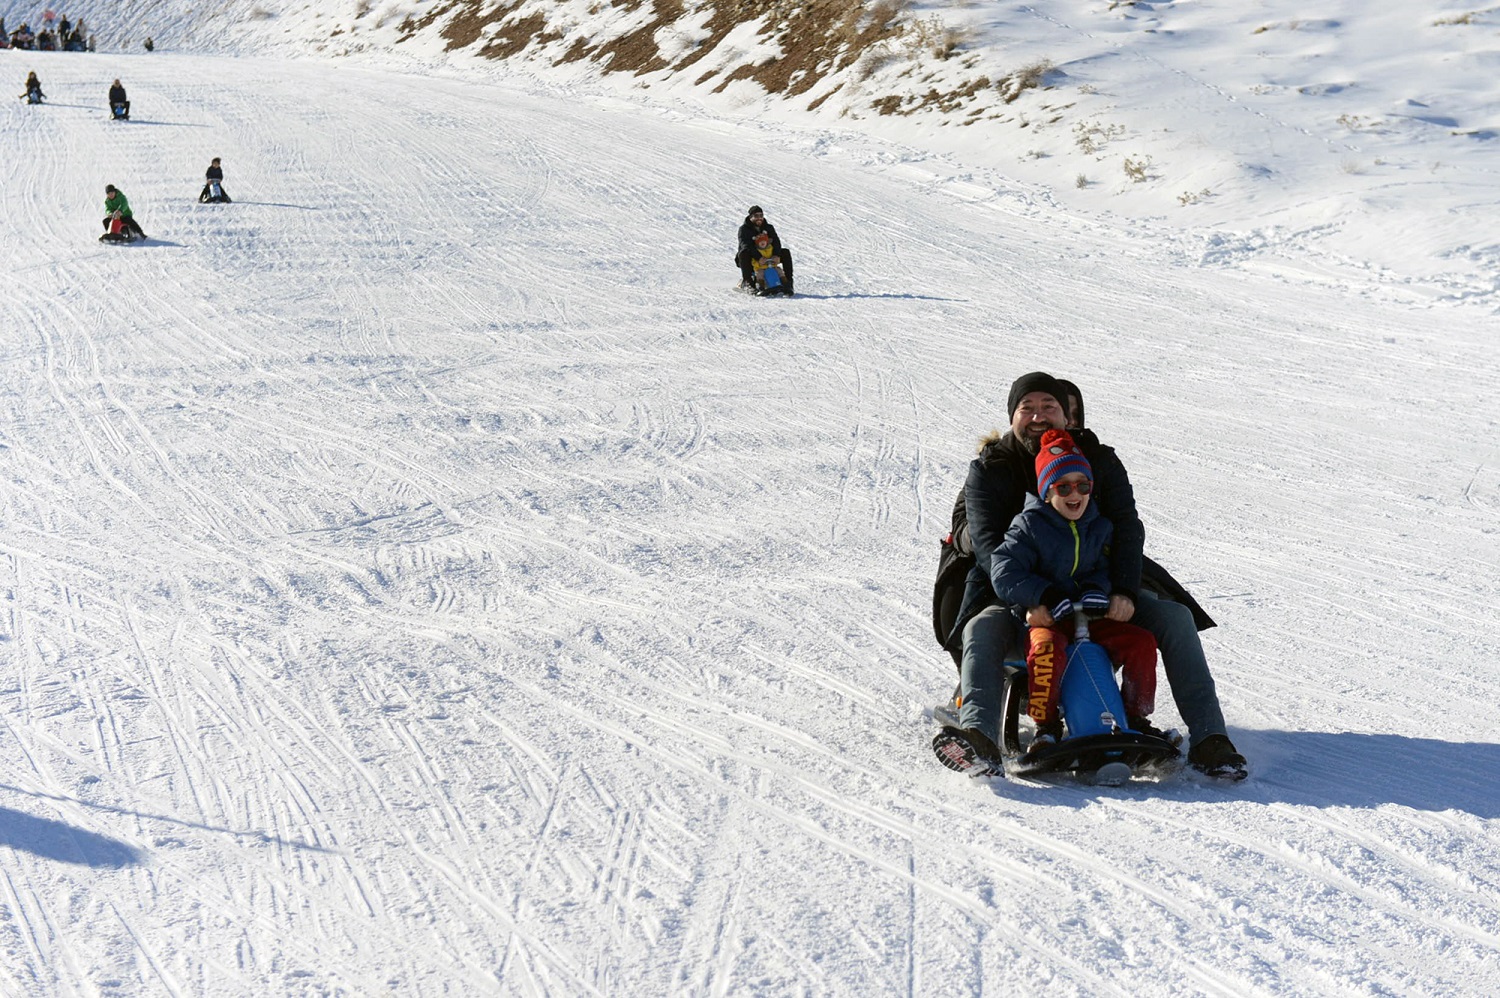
[1081, 619]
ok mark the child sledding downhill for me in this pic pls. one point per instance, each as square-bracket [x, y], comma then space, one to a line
[120, 225]
[119, 103]
[33, 94]
[1054, 557]
[1053, 560]
[213, 188]
[770, 279]
[988, 638]
[749, 247]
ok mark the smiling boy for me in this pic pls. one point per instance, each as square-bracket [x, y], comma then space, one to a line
[1055, 558]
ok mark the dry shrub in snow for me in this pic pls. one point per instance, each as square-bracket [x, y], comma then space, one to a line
[941, 40]
[1026, 78]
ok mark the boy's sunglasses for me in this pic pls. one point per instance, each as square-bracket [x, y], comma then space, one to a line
[1065, 489]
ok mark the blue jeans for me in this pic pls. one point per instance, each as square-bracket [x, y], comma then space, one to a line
[992, 636]
[995, 634]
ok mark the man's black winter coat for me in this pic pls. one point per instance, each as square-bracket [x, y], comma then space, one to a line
[749, 230]
[999, 480]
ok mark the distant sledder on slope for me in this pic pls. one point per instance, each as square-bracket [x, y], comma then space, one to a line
[213, 188]
[765, 265]
[120, 225]
[985, 635]
[33, 94]
[119, 104]
[770, 274]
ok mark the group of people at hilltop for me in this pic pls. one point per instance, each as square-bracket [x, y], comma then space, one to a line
[68, 36]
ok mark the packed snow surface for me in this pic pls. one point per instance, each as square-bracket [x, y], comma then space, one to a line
[427, 575]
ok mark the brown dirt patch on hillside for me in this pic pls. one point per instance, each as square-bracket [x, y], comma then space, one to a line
[813, 38]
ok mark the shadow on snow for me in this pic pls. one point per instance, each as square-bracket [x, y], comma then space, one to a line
[45, 837]
[52, 839]
[279, 204]
[1349, 769]
[1320, 769]
[163, 124]
[854, 294]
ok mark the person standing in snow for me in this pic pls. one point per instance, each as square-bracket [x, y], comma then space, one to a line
[998, 483]
[755, 224]
[1073, 404]
[116, 206]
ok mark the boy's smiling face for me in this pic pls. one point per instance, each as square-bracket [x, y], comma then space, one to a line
[1073, 504]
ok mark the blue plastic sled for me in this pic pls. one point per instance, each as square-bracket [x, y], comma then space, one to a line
[1097, 742]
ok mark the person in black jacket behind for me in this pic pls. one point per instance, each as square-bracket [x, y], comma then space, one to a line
[995, 491]
[213, 188]
[755, 223]
[117, 100]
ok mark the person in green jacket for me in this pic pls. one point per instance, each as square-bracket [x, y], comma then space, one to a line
[116, 206]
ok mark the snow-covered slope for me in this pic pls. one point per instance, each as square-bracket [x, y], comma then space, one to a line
[425, 575]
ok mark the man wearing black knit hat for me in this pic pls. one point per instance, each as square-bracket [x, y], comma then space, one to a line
[995, 491]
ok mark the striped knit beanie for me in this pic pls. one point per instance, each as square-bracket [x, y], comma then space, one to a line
[1058, 456]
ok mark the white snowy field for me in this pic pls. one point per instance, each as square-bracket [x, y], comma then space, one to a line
[426, 576]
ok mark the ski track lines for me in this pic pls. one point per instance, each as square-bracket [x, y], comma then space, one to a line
[700, 738]
[1312, 855]
[441, 604]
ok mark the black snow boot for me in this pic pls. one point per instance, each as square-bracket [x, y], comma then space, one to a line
[1215, 756]
[968, 751]
[1145, 727]
[1047, 735]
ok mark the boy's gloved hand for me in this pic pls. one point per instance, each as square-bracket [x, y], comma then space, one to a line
[1057, 602]
[1093, 602]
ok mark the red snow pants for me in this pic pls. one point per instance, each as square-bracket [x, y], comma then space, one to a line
[1132, 649]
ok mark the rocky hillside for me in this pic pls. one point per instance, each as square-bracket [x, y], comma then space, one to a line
[853, 58]
[810, 51]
